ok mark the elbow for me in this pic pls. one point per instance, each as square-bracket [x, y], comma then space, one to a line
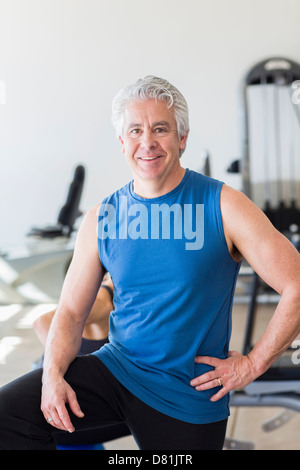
[292, 290]
[41, 326]
[37, 325]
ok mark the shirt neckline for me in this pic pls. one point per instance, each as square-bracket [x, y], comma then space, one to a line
[163, 196]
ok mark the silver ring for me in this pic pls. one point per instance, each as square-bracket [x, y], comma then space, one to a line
[49, 420]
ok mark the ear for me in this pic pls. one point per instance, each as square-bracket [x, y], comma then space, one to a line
[122, 144]
[182, 141]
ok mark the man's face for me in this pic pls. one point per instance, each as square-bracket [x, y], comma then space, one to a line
[150, 141]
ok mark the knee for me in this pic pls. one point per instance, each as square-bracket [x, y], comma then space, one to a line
[9, 399]
[5, 395]
[22, 425]
[21, 394]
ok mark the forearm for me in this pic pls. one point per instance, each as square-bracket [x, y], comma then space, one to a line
[281, 331]
[63, 344]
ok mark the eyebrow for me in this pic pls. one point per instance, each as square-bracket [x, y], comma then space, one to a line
[134, 124]
[161, 123]
[155, 124]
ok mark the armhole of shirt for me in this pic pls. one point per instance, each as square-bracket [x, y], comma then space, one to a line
[99, 238]
[220, 223]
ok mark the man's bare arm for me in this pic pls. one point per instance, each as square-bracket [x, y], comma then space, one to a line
[64, 339]
[277, 262]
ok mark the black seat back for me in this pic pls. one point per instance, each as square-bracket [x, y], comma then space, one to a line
[70, 210]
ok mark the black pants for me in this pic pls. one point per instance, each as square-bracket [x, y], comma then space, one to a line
[105, 403]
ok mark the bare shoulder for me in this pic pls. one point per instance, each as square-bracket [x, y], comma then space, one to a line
[237, 208]
[87, 233]
[90, 218]
[246, 227]
[93, 211]
[237, 211]
[232, 199]
[248, 231]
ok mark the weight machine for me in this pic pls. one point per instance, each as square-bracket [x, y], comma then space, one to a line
[35, 272]
[270, 170]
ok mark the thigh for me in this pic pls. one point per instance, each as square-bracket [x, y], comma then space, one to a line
[153, 430]
[22, 424]
[92, 436]
[89, 379]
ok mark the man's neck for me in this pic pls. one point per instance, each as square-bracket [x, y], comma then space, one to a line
[150, 189]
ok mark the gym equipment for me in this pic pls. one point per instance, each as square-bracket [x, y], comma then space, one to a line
[269, 169]
[35, 272]
[272, 141]
[68, 213]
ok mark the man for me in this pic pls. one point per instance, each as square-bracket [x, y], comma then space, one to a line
[172, 241]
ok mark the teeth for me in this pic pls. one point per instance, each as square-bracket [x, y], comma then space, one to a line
[149, 158]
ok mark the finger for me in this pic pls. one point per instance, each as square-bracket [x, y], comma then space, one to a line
[219, 395]
[49, 420]
[74, 405]
[206, 386]
[65, 419]
[52, 417]
[211, 361]
[201, 379]
[54, 420]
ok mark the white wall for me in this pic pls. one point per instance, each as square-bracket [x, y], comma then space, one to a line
[63, 61]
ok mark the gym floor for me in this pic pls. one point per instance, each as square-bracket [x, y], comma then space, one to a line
[19, 348]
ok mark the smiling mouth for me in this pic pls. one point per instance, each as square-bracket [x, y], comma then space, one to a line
[150, 158]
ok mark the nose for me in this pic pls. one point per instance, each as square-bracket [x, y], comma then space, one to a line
[148, 141]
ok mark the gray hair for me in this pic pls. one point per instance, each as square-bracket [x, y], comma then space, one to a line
[151, 87]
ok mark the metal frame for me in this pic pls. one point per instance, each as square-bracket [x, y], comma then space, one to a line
[280, 385]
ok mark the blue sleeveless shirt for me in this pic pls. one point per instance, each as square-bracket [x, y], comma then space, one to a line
[174, 282]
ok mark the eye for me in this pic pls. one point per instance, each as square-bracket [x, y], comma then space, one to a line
[135, 131]
[160, 130]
